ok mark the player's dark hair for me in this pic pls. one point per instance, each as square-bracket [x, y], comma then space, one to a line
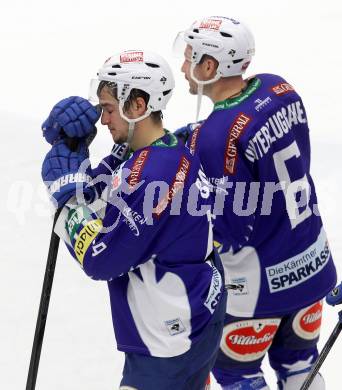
[156, 116]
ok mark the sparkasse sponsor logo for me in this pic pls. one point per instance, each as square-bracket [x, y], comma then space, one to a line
[300, 268]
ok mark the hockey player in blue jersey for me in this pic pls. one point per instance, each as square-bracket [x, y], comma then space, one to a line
[254, 148]
[141, 221]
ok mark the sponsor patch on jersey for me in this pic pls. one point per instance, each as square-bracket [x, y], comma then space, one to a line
[282, 88]
[116, 183]
[238, 286]
[85, 238]
[131, 56]
[117, 178]
[193, 141]
[262, 103]
[307, 322]
[177, 185]
[137, 168]
[300, 268]
[249, 340]
[175, 326]
[210, 24]
[236, 130]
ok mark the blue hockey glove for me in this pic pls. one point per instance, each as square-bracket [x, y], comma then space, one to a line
[62, 175]
[184, 132]
[74, 115]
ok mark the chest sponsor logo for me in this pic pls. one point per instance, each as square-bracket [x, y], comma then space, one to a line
[193, 142]
[282, 89]
[299, 269]
[235, 132]
[177, 185]
[132, 56]
[137, 168]
[307, 322]
[248, 340]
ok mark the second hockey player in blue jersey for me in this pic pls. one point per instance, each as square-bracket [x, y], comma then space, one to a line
[255, 151]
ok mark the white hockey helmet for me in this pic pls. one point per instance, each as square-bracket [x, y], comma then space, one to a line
[137, 69]
[227, 40]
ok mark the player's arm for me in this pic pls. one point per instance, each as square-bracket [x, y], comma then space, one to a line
[110, 237]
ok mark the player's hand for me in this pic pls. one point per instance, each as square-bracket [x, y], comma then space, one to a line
[67, 173]
[184, 132]
[74, 115]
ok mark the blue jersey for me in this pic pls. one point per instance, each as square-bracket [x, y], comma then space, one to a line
[255, 151]
[141, 237]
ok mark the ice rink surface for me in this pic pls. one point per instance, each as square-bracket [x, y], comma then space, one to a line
[50, 50]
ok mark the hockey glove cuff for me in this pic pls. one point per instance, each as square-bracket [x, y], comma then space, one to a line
[67, 173]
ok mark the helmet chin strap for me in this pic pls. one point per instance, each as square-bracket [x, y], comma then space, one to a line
[132, 122]
[200, 85]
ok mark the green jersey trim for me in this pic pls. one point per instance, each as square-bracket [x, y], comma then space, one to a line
[233, 102]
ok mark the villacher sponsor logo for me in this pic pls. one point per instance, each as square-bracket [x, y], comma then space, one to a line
[132, 56]
[235, 132]
[249, 340]
[307, 322]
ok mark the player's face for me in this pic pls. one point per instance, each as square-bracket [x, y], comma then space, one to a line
[111, 118]
[186, 70]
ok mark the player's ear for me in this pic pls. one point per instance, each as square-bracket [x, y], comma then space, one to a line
[210, 66]
[138, 106]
